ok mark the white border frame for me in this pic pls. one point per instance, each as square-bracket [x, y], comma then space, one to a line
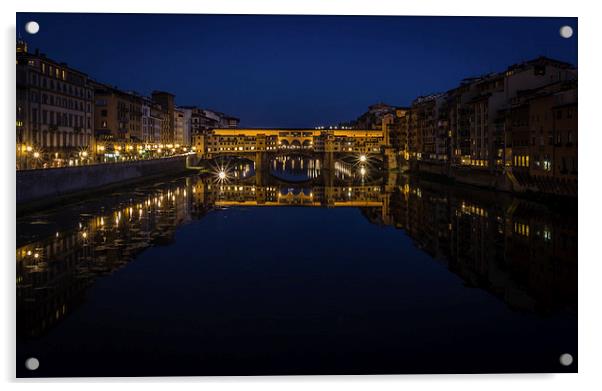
[589, 63]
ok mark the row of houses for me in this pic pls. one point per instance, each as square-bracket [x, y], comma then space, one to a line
[520, 123]
[64, 116]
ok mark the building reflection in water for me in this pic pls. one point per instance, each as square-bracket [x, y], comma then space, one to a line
[518, 250]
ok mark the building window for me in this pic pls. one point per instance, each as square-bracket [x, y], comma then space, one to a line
[547, 164]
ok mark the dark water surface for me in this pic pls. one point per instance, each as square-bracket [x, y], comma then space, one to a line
[194, 276]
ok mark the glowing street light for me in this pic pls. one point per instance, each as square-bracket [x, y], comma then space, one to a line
[363, 158]
[221, 175]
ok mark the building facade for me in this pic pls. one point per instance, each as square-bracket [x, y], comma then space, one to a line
[167, 102]
[181, 127]
[520, 123]
[543, 138]
[55, 114]
[118, 115]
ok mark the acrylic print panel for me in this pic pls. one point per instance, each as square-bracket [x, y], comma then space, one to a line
[270, 195]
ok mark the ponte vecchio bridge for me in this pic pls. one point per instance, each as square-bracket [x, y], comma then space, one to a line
[255, 144]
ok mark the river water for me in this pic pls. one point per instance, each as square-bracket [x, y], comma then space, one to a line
[286, 272]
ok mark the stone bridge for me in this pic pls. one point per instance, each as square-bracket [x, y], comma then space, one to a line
[330, 144]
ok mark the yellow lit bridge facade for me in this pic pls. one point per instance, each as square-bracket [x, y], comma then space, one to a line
[237, 141]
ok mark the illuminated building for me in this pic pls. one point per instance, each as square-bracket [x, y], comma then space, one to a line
[118, 114]
[543, 138]
[152, 119]
[181, 128]
[54, 112]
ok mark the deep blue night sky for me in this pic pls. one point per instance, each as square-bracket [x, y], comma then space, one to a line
[292, 71]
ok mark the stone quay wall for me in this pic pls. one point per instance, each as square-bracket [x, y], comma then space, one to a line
[46, 185]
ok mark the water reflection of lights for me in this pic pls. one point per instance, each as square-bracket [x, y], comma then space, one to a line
[124, 221]
[362, 167]
[343, 169]
[130, 219]
[223, 172]
[297, 166]
[365, 160]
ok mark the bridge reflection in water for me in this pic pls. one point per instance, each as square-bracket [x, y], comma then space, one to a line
[297, 168]
[519, 251]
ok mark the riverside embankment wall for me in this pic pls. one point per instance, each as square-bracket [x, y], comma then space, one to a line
[506, 181]
[465, 175]
[45, 185]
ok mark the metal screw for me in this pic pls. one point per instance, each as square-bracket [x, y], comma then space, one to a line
[32, 27]
[32, 363]
[566, 31]
[566, 359]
